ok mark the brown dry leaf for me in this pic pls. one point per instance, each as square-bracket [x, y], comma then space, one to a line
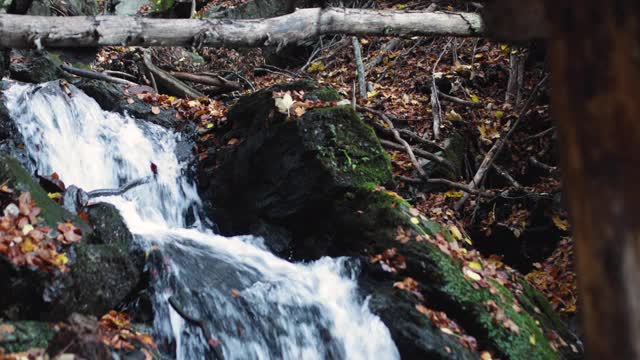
[7, 328]
[299, 111]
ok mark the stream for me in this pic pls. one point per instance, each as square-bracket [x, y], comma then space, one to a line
[253, 304]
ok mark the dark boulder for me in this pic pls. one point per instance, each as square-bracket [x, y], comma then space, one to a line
[111, 97]
[4, 59]
[289, 168]
[35, 66]
[520, 227]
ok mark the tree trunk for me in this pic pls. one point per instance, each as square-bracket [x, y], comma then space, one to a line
[595, 56]
[52, 32]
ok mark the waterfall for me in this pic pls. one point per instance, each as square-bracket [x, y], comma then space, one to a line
[255, 305]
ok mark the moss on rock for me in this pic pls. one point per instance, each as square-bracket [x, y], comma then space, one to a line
[346, 146]
[373, 217]
[19, 336]
[18, 178]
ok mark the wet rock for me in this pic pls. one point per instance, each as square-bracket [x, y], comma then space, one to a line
[8, 131]
[112, 97]
[109, 228]
[19, 336]
[35, 66]
[4, 57]
[414, 334]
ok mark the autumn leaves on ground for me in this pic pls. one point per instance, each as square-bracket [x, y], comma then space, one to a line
[514, 219]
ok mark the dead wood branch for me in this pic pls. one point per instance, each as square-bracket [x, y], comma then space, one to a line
[419, 152]
[445, 182]
[505, 174]
[95, 75]
[457, 100]
[390, 47]
[172, 85]
[117, 192]
[21, 31]
[553, 170]
[362, 83]
[220, 84]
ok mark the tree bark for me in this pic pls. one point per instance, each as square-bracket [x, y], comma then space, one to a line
[595, 57]
[18, 31]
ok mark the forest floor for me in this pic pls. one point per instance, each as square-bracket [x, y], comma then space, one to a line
[517, 221]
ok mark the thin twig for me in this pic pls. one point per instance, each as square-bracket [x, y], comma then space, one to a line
[457, 100]
[541, 134]
[505, 174]
[449, 183]
[415, 137]
[153, 81]
[119, 73]
[548, 168]
[421, 153]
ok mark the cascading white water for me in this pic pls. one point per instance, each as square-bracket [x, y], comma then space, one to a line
[256, 305]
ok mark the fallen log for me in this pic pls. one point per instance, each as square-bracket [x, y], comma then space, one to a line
[21, 31]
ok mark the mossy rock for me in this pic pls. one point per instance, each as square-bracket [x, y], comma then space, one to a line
[19, 336]
[103, 276]
[36, 67]
[256, 111]
[19, 179]
[379, 214]
[292, 168]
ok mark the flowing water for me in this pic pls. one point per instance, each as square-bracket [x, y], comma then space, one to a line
[255, 305]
